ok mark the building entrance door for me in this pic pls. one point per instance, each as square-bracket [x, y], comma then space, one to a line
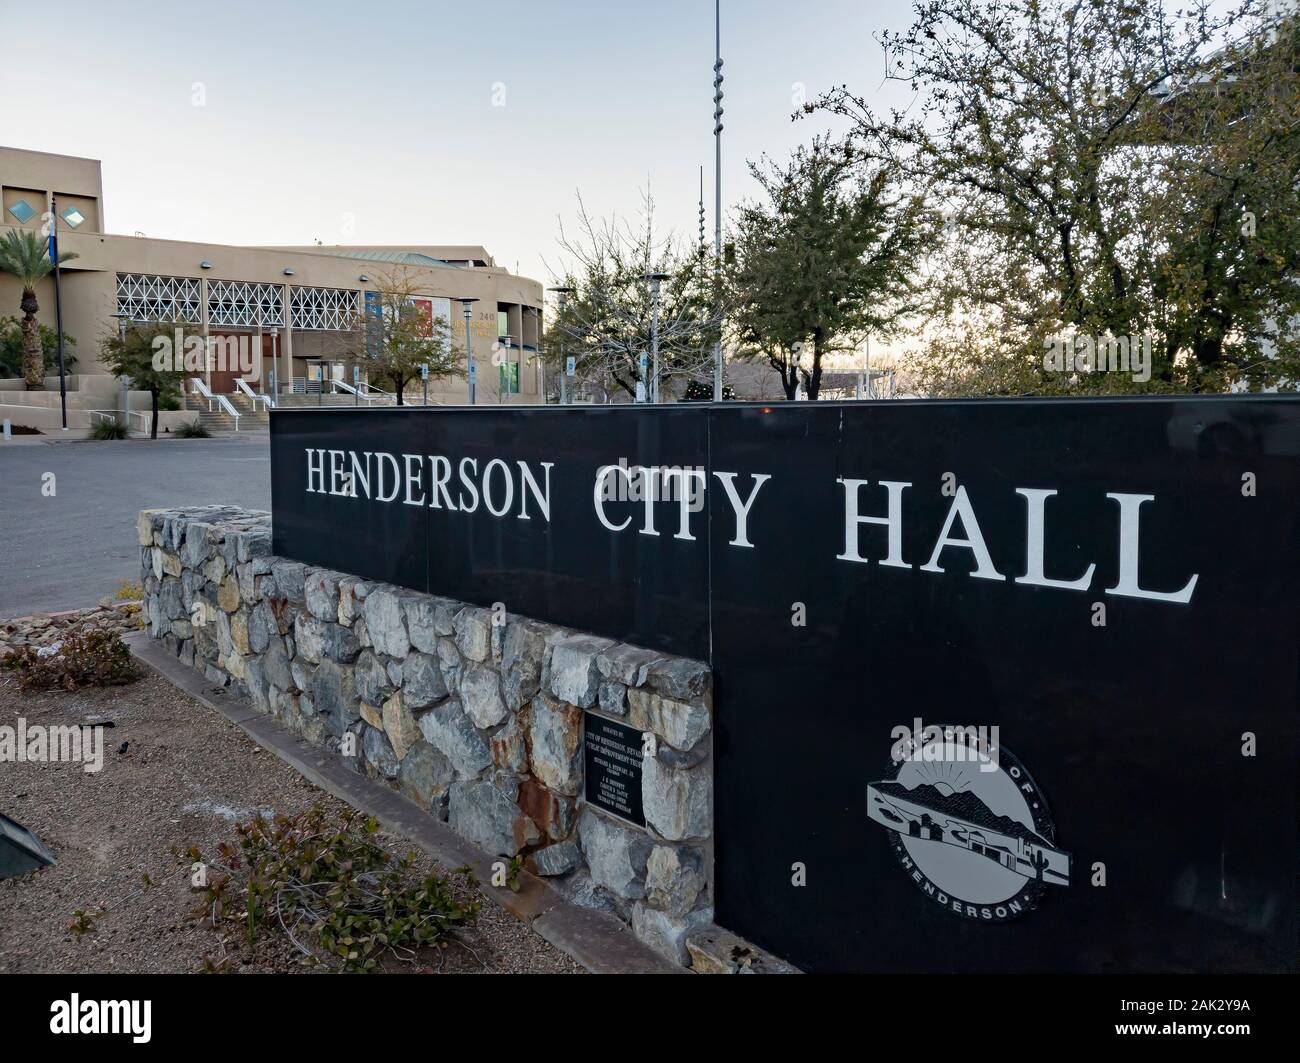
[231, 355]
[235, 354]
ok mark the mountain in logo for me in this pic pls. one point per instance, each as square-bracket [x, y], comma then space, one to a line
[961, 805]
[929, 813]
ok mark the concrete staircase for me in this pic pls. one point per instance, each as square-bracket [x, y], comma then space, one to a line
[252, 415]
[300, 401]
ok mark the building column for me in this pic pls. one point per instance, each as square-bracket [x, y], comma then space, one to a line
[203, 331]
[515, 326]
[286, 343]
[257, 336]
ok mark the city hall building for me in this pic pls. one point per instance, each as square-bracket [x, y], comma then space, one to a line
[294, 309]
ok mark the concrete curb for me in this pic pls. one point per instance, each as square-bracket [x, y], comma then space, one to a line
[599, 942]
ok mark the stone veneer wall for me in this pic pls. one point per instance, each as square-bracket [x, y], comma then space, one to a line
[478, 722]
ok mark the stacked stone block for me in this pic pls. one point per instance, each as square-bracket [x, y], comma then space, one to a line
[474, 713]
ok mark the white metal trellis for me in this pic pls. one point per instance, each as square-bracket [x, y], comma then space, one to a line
[245, 303]
[149, 297]
[322, 308]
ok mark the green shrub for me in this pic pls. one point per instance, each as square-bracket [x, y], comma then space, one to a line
[193, 430]
[700, 391]
[94, 657]
[11, 349]
[108, 430]
[322, 882]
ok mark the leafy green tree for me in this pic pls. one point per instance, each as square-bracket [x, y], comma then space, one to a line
[827, 258]
[26, 255]
[394, 343]
[144, 355]
[11, 349]
[1110, 169]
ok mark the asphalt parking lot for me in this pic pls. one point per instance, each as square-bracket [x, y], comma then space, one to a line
[67, 549]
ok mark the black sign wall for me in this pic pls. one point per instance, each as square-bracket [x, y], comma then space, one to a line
[650, 589]
[999, 685]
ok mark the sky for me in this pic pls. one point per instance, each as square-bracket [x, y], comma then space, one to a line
[406, 123]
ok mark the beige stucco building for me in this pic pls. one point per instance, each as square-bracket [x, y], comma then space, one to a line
[291, 307]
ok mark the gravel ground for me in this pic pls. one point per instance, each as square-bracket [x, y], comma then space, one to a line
[186, 777]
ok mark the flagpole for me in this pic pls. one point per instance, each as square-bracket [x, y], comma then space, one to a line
[717, 192]
[58, 303]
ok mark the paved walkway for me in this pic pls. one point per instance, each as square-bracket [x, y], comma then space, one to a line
[68, 550]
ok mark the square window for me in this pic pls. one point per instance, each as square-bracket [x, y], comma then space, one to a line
[73, 217]
[22, 212]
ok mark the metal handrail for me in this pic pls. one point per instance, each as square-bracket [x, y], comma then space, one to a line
[201, 389]
[146, 418]
[221, 400]
[336, 384]
[228, 406]
[253, 396]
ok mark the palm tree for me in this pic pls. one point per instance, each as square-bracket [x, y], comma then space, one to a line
[26, 256]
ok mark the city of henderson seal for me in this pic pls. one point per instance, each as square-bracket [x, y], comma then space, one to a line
[972, 831]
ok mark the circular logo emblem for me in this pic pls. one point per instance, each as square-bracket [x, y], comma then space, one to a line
[968, 824]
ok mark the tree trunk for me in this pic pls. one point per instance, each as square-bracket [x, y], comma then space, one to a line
[33, 357]
[789, 375]
[399, 385]
[790, 382]
[815, 378]
[153, 405]
[629, 388]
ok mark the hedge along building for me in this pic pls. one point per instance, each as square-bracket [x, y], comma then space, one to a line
[289, 307]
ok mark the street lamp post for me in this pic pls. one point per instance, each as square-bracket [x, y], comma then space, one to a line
[867, 360]
[467, 307]
[505, 341]
[126, 380]
[654, 280]
[564, 294]
[53, 251]
[275, 361]
[538, 364]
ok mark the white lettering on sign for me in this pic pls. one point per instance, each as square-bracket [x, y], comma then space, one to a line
[893, 521]
[974, 540]
[1128, 555]
[423, 479]
[644, 482]
[961, 508]
[623, 496]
